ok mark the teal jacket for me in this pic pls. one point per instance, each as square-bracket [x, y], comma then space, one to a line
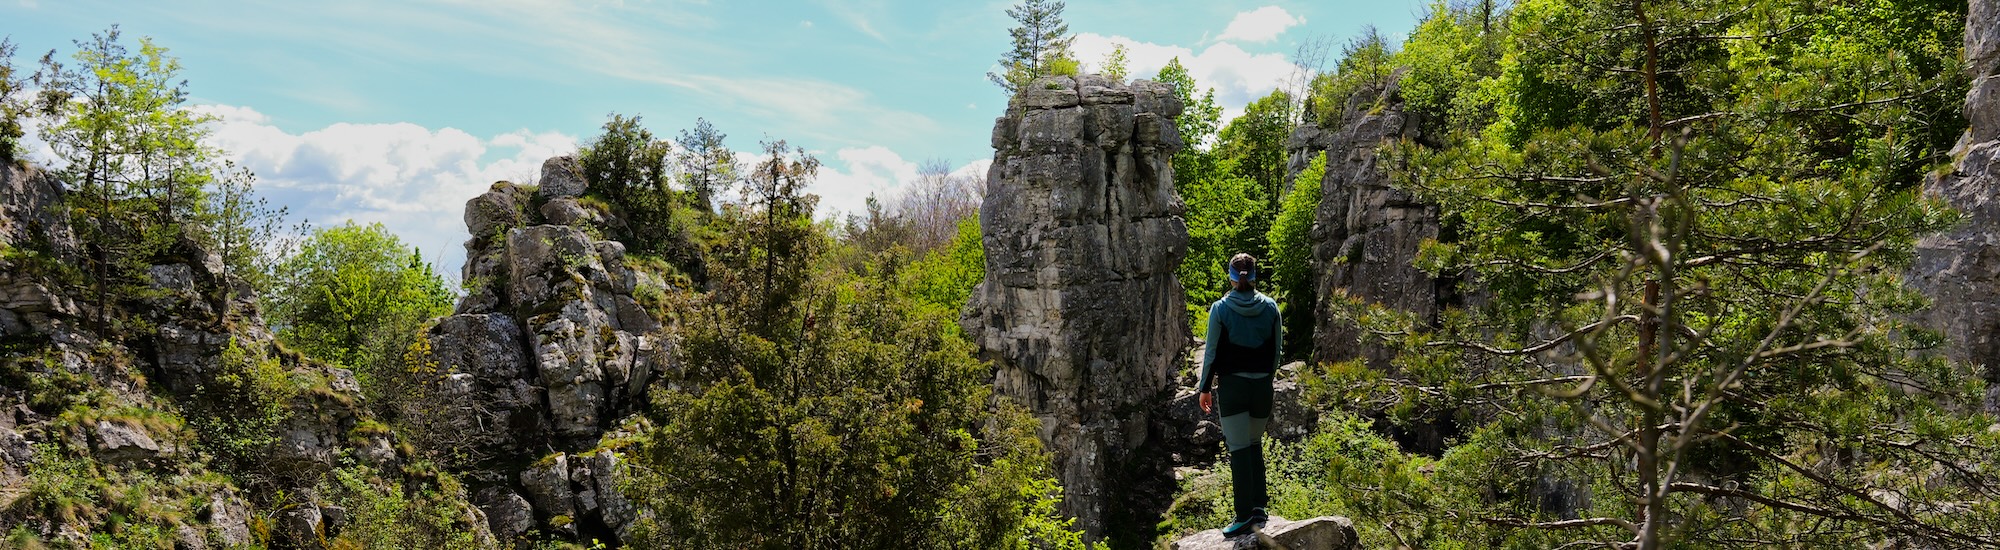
[1252, 319]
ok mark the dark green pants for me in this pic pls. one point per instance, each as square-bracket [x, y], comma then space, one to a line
[1244, 406]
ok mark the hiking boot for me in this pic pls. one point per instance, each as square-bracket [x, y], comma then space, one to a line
[1243, 526]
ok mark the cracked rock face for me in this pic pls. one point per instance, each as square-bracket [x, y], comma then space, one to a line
[1080, 310]
[1366, 233]
[1959, 269]
[549, 348]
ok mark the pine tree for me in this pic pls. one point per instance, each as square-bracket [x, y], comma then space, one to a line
[707, 165]
[1687, 246]
[1041, 45]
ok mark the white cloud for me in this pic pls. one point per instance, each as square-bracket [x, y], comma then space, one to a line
[1260, 25]
[1237, 76]
[411, 179]
[854, 173]
[806, 24]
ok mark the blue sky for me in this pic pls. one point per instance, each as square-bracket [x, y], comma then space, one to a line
[397, 111]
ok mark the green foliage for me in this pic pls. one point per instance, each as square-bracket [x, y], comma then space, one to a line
[707, 166]
[12, 108]
[1345, 468]
[1366, 64]
[1040, 46]
[1254, 146]
[111, 506]
[1453, 59]
[238, 410]
[355, 296]
[629, 170]
[385, 513]
[829, 408]
[1687, 222]
[946, 278]
[135, 165]
[1199, 118]
[1114, 64]
[142, 183]
[1225, 216]
[1289, 268]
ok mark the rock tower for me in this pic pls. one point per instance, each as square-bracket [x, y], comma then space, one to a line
[1080, 310]
[546, 351]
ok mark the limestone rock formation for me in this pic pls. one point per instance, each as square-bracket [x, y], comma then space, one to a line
[1080, 309]
[202, 330]
[549, 348]
[1320, 533]
[1960, 268]
[1366, 233]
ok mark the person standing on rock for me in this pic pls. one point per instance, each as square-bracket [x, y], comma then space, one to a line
[1242, 357]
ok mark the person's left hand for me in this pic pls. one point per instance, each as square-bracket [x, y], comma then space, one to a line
[1207, 402]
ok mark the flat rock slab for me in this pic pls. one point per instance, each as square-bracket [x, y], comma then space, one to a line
[1320, 533]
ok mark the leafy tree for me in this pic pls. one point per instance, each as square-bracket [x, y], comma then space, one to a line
[1255, 143]
[625, 163]
[707, 166]
[133, 157]
[630, 172]
[12, 107]
[1366, 63]
[356, 296]
[248, 233]
[1454, 61]
[946, 278]
[1199, 120]
[829, 408]
[1041, 45]
[1688, 240]
[1114, 64]
[1289, 267]
[1225, 215]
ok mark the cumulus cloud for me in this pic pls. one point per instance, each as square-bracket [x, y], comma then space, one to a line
[1237, 76]
[850, 175]
[411, 179]
[1260, 25]
[415, 180]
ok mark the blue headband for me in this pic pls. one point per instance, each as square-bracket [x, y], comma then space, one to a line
[1239, 276]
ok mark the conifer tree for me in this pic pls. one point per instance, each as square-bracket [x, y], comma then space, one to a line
[1041, 45]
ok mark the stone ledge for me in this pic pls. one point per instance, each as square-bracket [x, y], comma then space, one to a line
[1320, 533]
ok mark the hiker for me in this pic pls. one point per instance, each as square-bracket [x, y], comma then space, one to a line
[1242, 357]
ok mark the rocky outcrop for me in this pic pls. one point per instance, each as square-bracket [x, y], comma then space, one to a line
[1960, 268]
[1080, 310]
[129, 379]
[1366, 232]
[31, 212]
[548, 349]
[1320, 533]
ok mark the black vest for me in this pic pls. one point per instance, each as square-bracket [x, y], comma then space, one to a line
[1232, 358]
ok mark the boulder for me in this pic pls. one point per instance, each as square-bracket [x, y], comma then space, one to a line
[15, 450]
[562, 177]
[547, 484]
[507, 514]
[1080, 310]
[494, 212]
[302, 527]
[1320, 533]
[119, 441]
[566, 211]
[31, 212]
